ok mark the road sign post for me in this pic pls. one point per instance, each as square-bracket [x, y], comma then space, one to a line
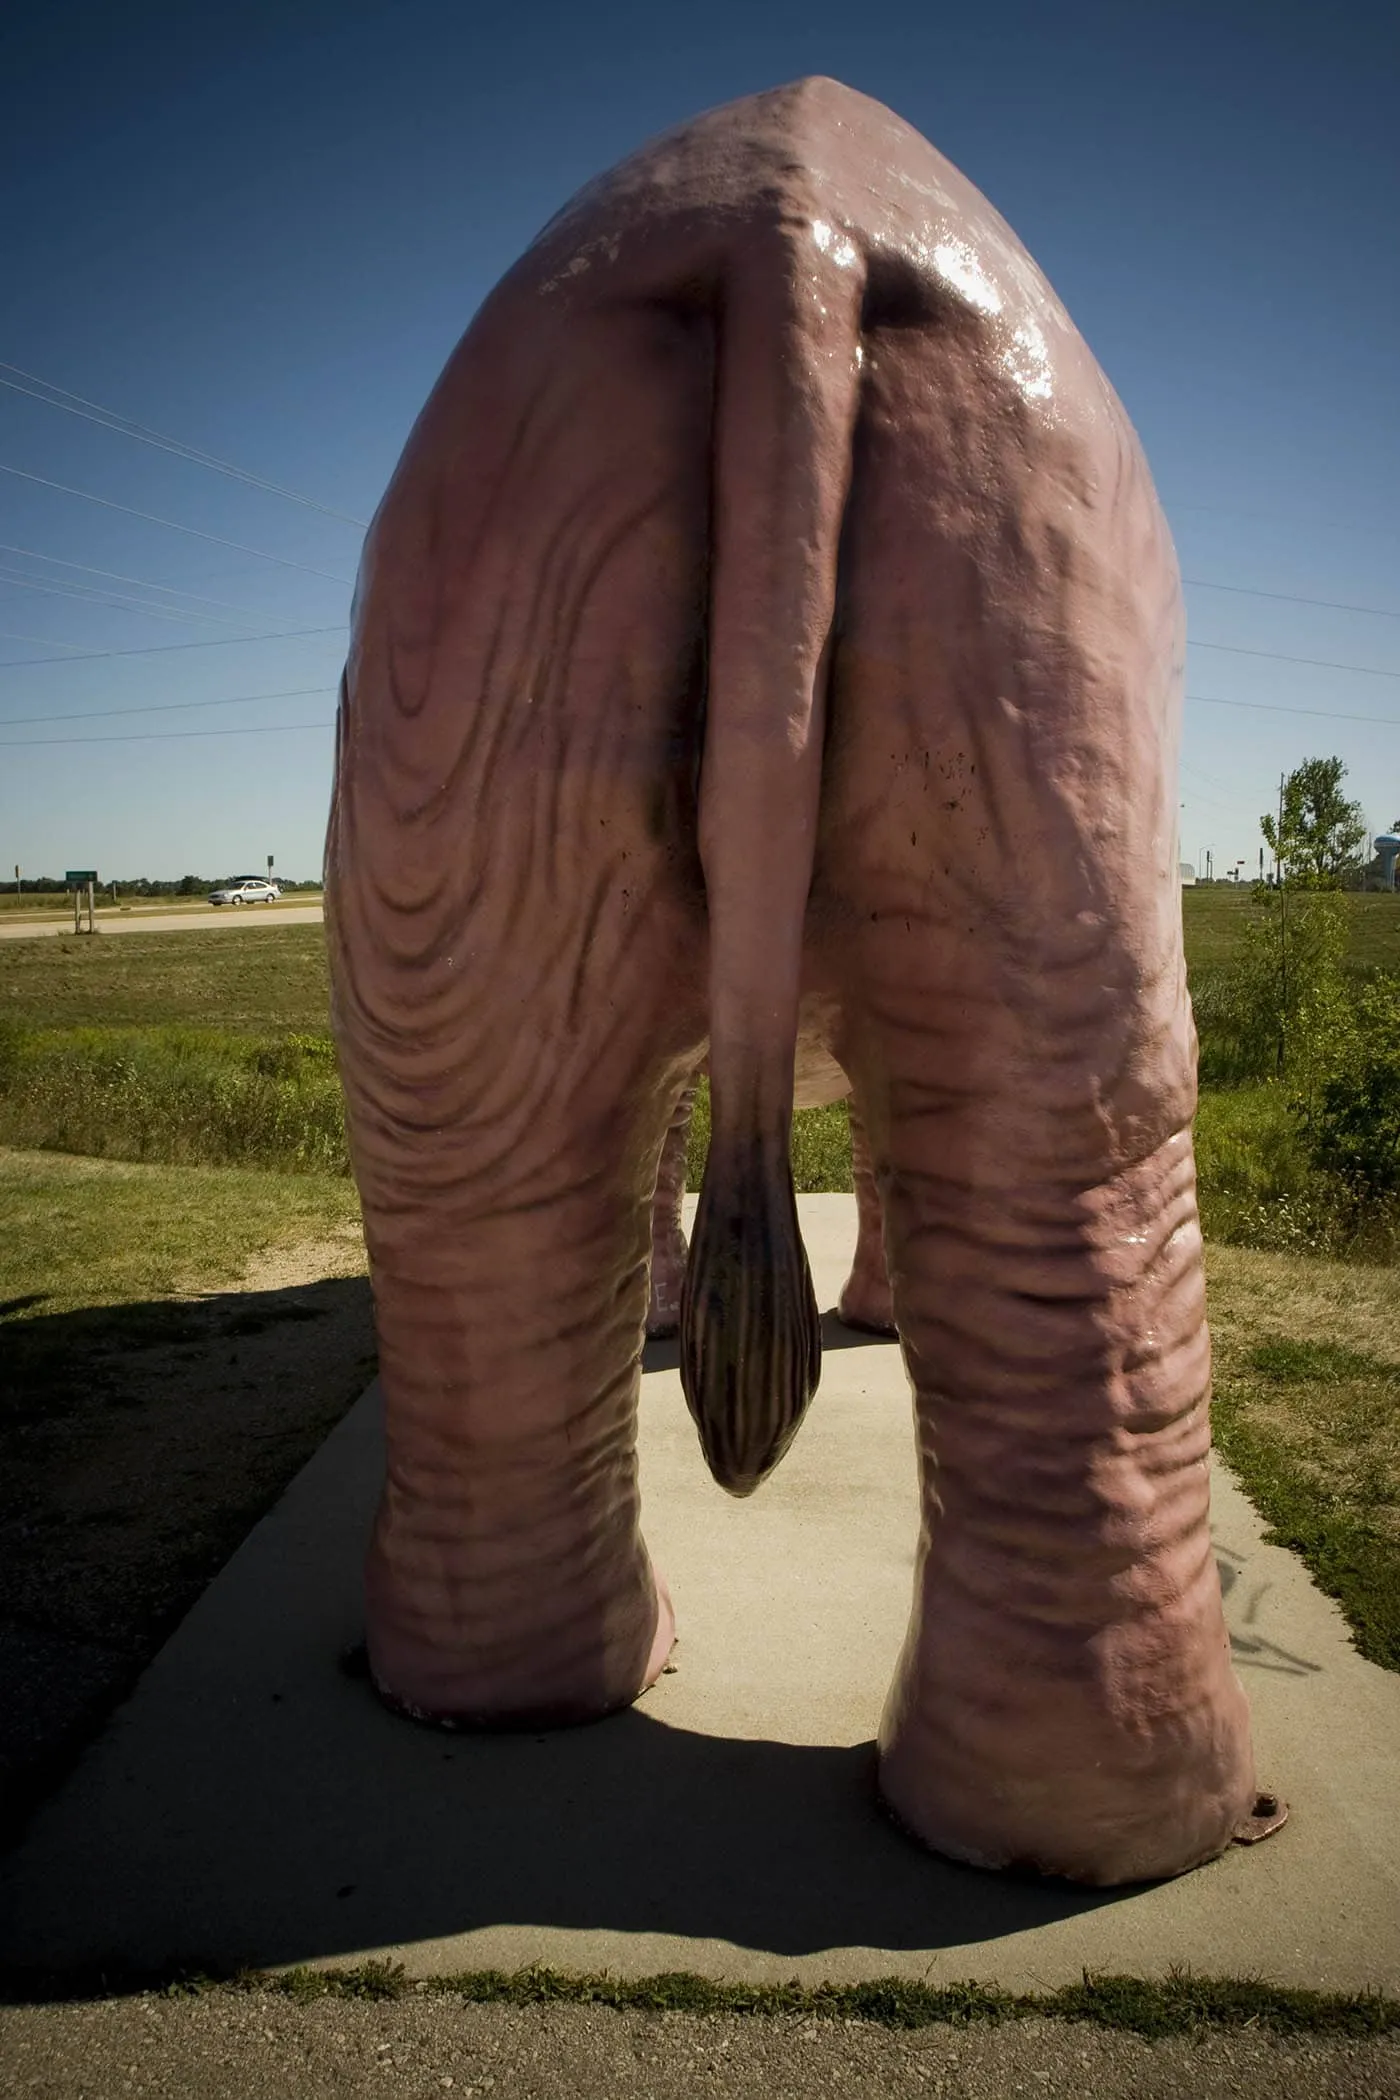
[82, 881]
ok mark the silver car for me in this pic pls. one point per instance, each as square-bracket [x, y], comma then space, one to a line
[249, 889]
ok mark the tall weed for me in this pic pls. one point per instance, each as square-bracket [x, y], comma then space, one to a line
[174, 1095]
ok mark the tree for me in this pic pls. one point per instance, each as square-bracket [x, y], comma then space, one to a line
[1317, 835]
[1287, 993]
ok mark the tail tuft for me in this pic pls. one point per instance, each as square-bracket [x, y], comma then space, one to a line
[750, 1339]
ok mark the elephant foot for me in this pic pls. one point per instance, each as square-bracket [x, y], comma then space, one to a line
[1125, 1845]
[1123, 1806]
[566, 1711]
[496, 1647]
[867, 1304]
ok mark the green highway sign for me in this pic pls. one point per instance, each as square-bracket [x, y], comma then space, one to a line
[80, 875]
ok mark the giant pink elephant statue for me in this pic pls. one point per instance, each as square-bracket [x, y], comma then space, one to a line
[770, 648]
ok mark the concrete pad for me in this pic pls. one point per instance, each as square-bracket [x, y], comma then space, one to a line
[251, 1803]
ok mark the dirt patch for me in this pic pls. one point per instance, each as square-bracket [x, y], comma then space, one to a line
[138, 1445]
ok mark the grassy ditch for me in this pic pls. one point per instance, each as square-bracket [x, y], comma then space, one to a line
[203, 1096]
[180, 1096]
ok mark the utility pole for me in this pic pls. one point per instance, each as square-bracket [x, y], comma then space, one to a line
[1282, 936]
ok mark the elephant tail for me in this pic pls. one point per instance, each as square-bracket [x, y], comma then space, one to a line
[788, 378]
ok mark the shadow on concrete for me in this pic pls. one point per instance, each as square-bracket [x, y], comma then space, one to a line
[139, 1442]
[255, 1805]
[369, 1832]
[1250, 1647]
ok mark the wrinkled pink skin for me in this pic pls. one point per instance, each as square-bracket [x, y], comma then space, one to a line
[866, 1301]
[934, 616]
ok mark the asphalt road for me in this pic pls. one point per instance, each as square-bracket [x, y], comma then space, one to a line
[230, 2045]
[171, 922]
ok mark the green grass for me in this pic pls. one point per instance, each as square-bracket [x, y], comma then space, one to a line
[267, 980]
[159, 1386]
[821, 1146]
[195, 1074]
[1259, 1188]
[1313, 1430]
[78, 1233]
[1215, 918]
[1307, 1412]
[1180, 2003]
[174, 1095]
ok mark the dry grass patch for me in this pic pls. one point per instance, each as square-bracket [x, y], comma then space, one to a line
[1253, 1295]
[1307, 1411]
[79, 1233]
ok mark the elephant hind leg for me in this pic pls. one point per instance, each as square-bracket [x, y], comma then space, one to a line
[507, 1581]
[516, 905]
[997, 864]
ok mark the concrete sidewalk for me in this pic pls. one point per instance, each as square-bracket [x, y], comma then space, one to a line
[254, 1804]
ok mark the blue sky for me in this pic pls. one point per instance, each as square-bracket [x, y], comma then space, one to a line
[260, 229]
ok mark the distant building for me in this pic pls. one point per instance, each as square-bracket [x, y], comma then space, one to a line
[1188, 874]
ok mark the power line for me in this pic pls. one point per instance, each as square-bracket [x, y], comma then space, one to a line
[1325, 714]
[1238, 590]
[171, 525]
[155, 736]
[1316, 663]
[126, 426]
[283, 728]
[120, 601]
[222, 641]
[1196, 795]
[8, 634]
[168, 707]
[172, 590]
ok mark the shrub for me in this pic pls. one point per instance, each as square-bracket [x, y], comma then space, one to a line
[1261, 1184]
[1351, 1116]
[1260, 1017]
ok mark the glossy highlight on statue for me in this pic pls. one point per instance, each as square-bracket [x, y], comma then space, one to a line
[769, 653]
